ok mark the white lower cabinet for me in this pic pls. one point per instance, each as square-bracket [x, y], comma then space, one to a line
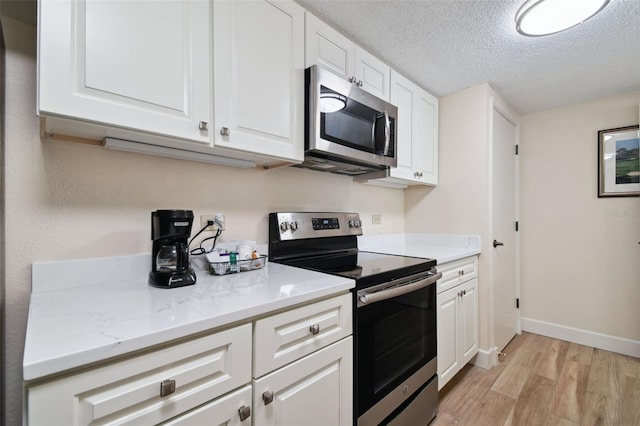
[457, 319]
[315, 390]
[303, 365]
[148, 388]
[223, 411]
[301, 374]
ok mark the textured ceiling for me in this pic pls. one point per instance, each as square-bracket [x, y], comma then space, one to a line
[448, 45]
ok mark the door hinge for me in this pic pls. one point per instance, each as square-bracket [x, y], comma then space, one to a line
[517, 225]
[517, 149]
[517, 303]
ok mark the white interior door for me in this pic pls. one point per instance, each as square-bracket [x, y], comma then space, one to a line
[503, 257]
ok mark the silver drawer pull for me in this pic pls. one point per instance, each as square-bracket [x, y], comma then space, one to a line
[204, 126]
[167, 387]
[314, 329]
[267, 397]
[225, 131]
[244, 412]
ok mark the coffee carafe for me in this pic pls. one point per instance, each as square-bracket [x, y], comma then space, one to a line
[170, 266]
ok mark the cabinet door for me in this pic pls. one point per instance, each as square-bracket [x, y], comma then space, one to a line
[315, 390]
[402, 96]
[417, 132]
[131, 64]
[222, 411]
[425, 136]
[469, 320]
[448, 344]
[259, 77]
[328, 48]
[372, 74]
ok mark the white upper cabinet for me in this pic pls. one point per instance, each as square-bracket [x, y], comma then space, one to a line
[131, 64]
[372, 74]
[333, 51]
[327, 47]
[259, 77]
[417, 134]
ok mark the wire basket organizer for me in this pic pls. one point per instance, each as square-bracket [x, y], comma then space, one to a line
[228, 267]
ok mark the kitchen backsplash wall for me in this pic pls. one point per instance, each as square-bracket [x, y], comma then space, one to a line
[70, 201]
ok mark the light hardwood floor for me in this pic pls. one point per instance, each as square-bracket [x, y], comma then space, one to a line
[544, 381]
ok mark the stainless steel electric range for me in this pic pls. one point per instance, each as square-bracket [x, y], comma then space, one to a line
[394, 305]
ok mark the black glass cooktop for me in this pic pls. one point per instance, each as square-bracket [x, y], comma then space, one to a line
[366, 268]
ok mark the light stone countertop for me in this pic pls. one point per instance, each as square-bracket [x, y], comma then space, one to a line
[74, 321]
[442, 247]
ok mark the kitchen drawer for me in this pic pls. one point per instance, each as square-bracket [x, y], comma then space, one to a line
[283, 338]
[129, 391]
[222, 411]
[457, 272]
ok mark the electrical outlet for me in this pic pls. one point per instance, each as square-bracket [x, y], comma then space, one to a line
[376, 219]
[206, 218]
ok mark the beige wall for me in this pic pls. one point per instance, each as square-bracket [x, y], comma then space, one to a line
[579, 254]
[70, 201]
[460, 202]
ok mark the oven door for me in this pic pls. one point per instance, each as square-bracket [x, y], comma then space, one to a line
[395, 340]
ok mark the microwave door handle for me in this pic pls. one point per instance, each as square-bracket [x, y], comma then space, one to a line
[365, 298]
[387, 135]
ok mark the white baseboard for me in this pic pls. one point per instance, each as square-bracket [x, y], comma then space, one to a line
[486, 359]
[583, 337]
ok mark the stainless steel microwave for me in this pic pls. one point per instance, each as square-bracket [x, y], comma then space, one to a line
[347, 130]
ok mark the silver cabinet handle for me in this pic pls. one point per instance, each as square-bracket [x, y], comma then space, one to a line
[204, 126]
[353, 79]
[359, 83]
[314, 329]
[225, 131]
[365, 298]
[244, 412]
[167, 387]
[267, 397]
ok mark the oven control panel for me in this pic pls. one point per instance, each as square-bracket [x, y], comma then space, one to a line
[325, 223]
[300, 225]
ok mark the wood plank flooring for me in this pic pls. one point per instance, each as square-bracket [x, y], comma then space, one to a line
[544, 381]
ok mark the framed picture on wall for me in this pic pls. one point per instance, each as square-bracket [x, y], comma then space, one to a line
[618, 162]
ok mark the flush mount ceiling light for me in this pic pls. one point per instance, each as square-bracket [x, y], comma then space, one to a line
[544, 17]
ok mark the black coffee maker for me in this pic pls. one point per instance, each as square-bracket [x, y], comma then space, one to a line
[170, 231]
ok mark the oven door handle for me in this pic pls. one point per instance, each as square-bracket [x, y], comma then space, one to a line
[365, 298]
